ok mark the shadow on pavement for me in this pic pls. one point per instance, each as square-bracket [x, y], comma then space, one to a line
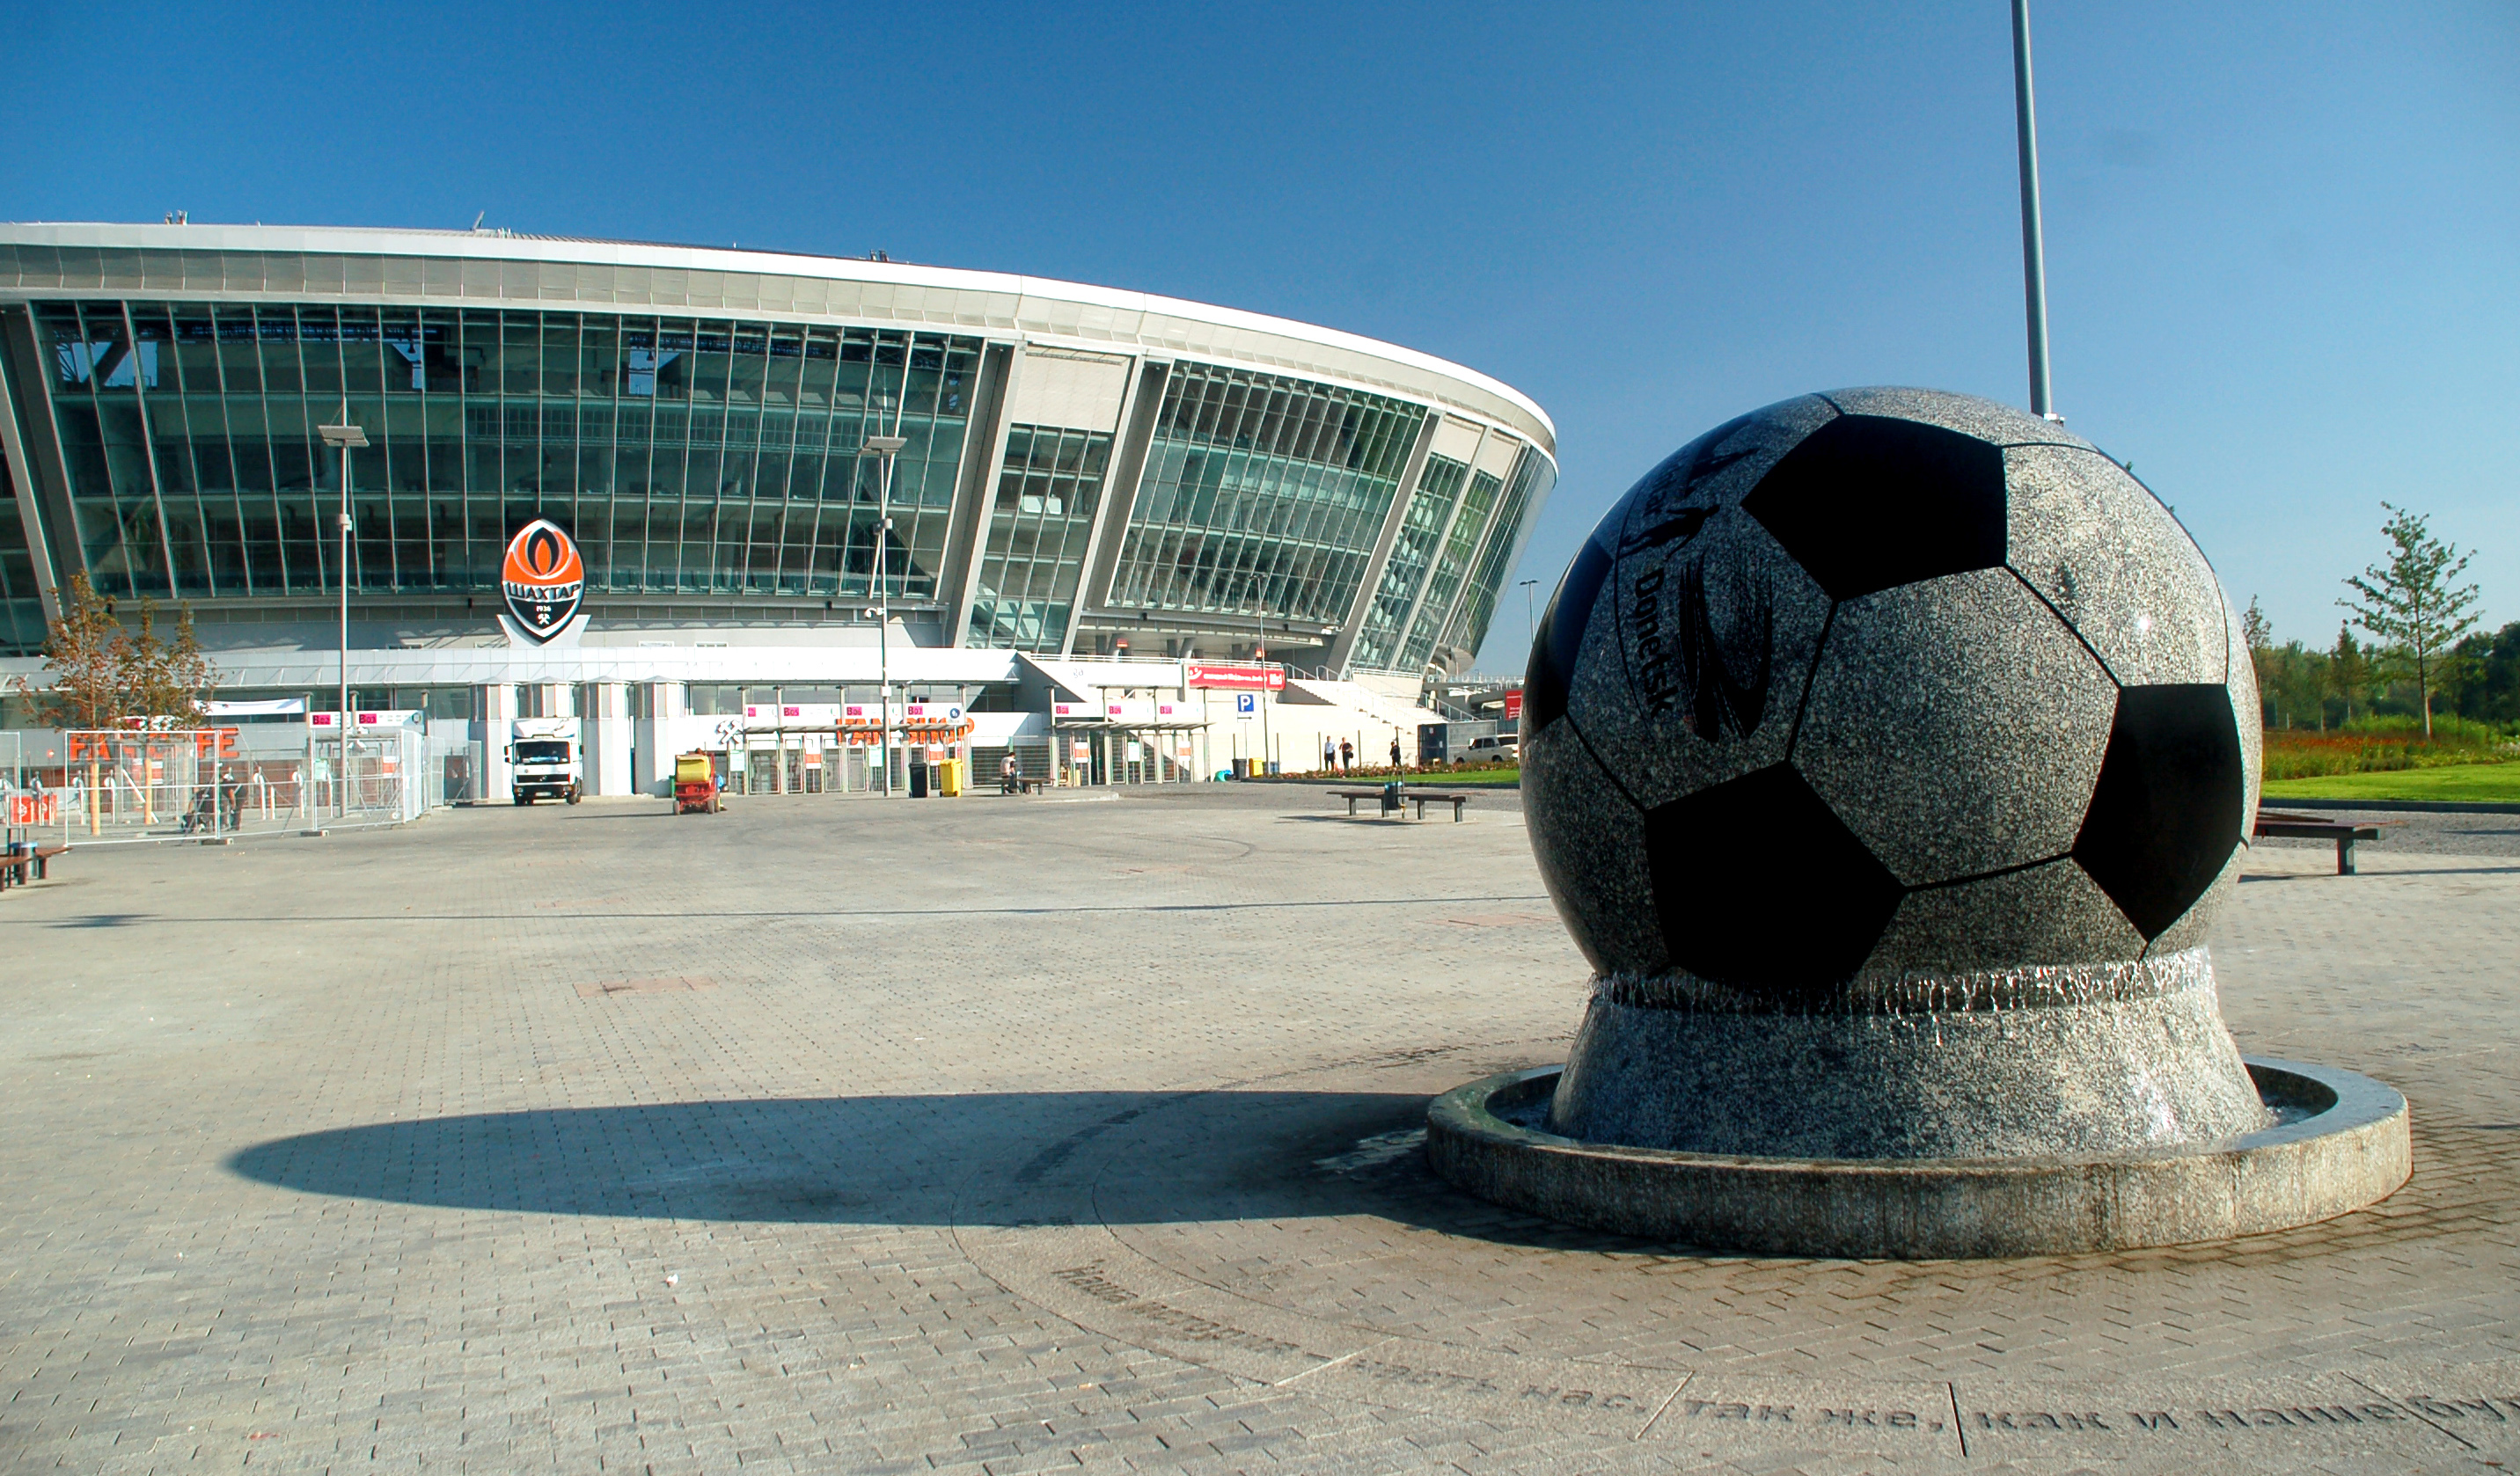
[1015, 1158]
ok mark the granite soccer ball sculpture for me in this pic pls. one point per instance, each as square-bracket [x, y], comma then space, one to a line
[1898, 706]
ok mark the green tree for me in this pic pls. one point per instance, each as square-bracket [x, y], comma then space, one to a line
[2348, 671]
[2294, 681]
[2257, 633]
[104, 673]
[2255, 628]
[166, 681]
[2412, 604]
[88, 656]
[2490, 691]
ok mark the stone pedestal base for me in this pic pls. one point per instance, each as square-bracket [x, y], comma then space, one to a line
[2070, 1060]
[2340, 1143]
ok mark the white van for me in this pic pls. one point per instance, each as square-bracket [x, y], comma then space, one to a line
[548, 764]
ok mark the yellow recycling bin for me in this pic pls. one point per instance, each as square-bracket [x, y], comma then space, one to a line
[949, 774]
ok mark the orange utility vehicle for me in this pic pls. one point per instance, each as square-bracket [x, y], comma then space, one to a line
[696, 785]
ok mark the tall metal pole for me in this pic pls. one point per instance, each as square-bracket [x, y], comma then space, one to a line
[341, 759]
[883, 610]
[885, 447]
[345, 436]
[2033, 248]
[1260, 652]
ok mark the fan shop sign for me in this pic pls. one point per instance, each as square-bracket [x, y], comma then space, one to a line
[1237, 676]
[1148, 712]
[814, 716]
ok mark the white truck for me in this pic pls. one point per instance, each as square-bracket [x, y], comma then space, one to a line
[545, 760]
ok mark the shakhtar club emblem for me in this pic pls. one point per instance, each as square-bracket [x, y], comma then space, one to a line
[542, 578]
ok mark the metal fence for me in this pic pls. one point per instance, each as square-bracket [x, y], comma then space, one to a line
[206, 784]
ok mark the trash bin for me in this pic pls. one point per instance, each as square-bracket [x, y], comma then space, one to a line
[1243, 768]
[1273, 766]
[918, 780]
[949, 776]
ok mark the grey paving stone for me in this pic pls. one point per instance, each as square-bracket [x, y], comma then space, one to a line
[318, 1140]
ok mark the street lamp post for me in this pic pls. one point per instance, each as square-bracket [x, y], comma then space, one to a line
[346, 437]
[1260, 659]
[1530, 621]
[885, 447]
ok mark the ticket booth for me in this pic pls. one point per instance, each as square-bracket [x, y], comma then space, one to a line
[1126, 740]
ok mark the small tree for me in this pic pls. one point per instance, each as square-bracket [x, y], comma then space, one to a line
[2255, 628]
[88, 654]
[2348, 672]
[2259, 634]
[168, 681]
[2412, 605]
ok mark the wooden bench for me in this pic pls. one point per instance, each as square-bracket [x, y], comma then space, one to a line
[16, 866]
[1422, 798]
[2311, 827]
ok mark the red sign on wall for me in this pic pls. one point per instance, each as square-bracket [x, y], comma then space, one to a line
[1514, 701]
[1237, 676]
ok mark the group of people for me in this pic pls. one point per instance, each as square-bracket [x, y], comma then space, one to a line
[76, 791]
[1340, 757]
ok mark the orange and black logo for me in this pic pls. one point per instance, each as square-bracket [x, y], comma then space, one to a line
[542, 578]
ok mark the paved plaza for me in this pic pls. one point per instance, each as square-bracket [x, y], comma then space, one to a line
[1031, 1135]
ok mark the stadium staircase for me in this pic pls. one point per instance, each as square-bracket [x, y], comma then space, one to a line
[1373, 708]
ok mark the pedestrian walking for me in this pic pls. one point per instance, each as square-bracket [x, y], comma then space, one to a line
[1329, 756]
[1395, 750]
[1347, 756]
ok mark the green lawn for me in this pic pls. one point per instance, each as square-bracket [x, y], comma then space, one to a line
[1495, 778]
[2474, 782]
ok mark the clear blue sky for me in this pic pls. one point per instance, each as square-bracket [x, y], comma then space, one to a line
[2283, 239]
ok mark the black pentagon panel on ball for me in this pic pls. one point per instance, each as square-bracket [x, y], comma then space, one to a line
[1869, 502]
[1560, 636]
[2109, 557]
[1990, 420]
[1716, 471]
[2167, 811]
[1957, 726]
[2194, 925]
[1761, 888]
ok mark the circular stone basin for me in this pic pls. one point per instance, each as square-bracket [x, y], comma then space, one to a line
[2339, 1143]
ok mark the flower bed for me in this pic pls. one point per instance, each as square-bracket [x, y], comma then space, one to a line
[2294, 754]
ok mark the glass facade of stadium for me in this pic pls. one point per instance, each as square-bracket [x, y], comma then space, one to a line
[1085, 472]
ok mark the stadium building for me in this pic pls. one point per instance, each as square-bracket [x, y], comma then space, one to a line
[641, 486]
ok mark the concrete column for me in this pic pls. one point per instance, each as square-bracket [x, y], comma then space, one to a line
[30, 511]
[610, 739]
[498, 726]
[1343, 647]
[1144, 400]
[975, 496]
[41, 446]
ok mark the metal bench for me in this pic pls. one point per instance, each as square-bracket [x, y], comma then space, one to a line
[1422, 798]
[16, 866]
[2311, 827]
